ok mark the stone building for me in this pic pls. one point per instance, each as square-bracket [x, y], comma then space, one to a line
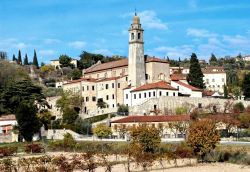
[56, 63]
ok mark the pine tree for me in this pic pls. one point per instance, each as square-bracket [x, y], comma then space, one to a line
[25, 61]
[35, 61]
[246, 85]
[225, 91]
[195, 76]
[14, 58]
[19, 59]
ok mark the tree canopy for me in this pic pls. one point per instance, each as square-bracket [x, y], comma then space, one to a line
[26, 61]
[65, 61]
[75, 74]
[246, 85]
[213, 60]
[35, 61]
[195, 76]
[19, 58]
[102, 131]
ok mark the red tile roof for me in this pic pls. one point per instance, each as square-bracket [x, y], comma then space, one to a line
[177, 77]
[156, 85]
[159, 118]
[187, 86]
[10, 117]
[213, 69]
[119, 63]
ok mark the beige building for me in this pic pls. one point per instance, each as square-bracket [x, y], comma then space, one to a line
[56, 63]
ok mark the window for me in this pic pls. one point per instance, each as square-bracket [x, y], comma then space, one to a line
[139, 95]
[113, 96]
[107, 97]
[145, 95]
[126, 96]
[82, 88]
[113, 105]
[132, 36]
[173, 94]
[212, 80]
[118, 85]
[160, 93]
[93, 87]
[87, 88]
[223, 79]
[113, 85]
[153, 93]
[199, 105]
[139, 35]
[166, 93]
[87, 99]
[93, 99]
[134, 96]
[107, 86]
[126, 78]
[147, 76]
[149, 94]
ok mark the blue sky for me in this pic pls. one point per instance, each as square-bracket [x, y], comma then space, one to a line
[172, 28]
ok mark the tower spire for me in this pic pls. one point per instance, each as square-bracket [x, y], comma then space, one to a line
[135, 12]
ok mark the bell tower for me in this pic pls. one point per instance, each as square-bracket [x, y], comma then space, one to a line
[136, 62]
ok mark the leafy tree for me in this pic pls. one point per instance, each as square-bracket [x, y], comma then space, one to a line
[238, 107]
[145, 142]
[68, 141]
[69, 115]
[3, 55]
[65, 61]
[101, 103]
[246, 85]
[42, 64]
[237, 92]
[203, 137]
[245, 120]
[16, 92]
[28, 123]
[123, 110]
[225, 91]
[75, 74]
[25, 61]
[45, 117]
[195, 76]
[19, 59]
[213, 60]
[35, 61]
[102, 131]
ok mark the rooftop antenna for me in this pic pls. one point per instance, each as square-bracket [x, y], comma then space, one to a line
[135, 12]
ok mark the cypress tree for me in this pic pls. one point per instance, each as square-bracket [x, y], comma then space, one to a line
[213, 60]
[14, 58]
[19, 59]
[35, 61]
[225, 91]
[246, 85]
[25, 61]
[195, 76]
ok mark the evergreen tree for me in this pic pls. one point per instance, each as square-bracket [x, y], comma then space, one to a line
[28, 123]
[19, 59]
[3, 55]
[195, 76]
[35, 61]
[14, 58]
[225, 91]
[26, 61]
[213, 60]
[246, 85]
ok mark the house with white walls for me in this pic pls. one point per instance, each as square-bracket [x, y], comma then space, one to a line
[185, 89]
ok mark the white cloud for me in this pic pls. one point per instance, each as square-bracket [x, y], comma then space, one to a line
[182, 51]
[149, 20]
[200, 33]
[237, 40]
[46, 52]
[51, 41]
[103, 51]
[12, 43]
[77, 44]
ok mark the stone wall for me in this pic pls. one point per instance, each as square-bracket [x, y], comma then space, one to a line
[167, 105]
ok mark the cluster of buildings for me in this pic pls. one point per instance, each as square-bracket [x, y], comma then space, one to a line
[138, 78]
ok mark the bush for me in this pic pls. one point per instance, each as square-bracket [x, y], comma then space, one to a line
[238, 107]
[34, 148]
[8, 151]
[183, 151]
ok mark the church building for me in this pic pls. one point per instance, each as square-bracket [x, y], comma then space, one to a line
[127, 81]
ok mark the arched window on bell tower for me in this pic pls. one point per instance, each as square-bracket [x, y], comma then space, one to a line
[132, 36]
[139, 36]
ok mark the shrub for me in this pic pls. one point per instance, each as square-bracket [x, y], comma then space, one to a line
[33, 148]
[238, 107]
[102, 131]
[183, 151]
[68, 141]
[8, 151]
